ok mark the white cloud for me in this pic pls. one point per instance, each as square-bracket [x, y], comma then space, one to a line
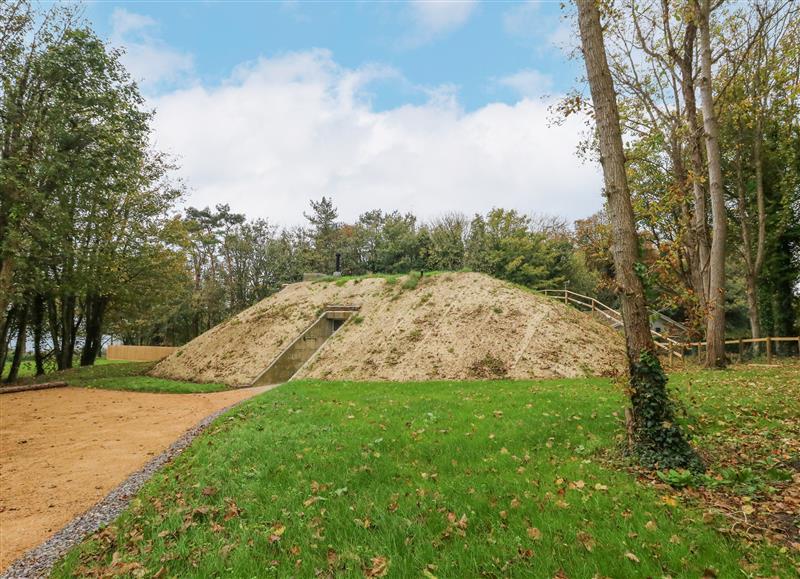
[123, 22]
[285, 130]
[528, 83]
[433, 18]
[151, 62]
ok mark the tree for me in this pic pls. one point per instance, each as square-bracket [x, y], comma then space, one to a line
[324, 230]
[653, 431]
[25, 37]
[760, 105]
[84, 197]
[448, 235]
[715, 328]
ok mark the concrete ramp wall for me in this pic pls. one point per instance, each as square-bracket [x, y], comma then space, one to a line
[302, 348]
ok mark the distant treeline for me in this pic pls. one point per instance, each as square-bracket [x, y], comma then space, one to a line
[233, 263]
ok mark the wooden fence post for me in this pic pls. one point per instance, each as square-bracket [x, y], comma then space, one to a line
[566, 301]
[769, 350]
[741, 350]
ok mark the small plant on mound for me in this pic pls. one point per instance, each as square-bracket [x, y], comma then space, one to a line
[415, 335]
[489, 366]
[412, 280]
[424, 299]
[655, 436]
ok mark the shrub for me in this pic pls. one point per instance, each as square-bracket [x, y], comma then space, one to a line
[412, 281]
[489, 366]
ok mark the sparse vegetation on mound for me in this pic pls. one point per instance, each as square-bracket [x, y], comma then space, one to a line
[431, 327]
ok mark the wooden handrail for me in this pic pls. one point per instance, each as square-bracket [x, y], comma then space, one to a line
[612, 314]
[598, 304]
[667, 342]
[747, 341]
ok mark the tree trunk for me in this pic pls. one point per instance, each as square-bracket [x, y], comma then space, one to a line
[752, 266]
[54, 327]
[4, 331]
[22, 338]
[699, 223]
[755, 273]
[752, 307]
[38, 330]
[6, 275]
[657, 438]
[67, 333]
[715, 326]
[95, 310]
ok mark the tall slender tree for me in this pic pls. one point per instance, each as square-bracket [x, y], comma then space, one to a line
[653, 432]
[715, 326]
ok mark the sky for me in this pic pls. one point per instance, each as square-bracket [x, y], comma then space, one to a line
[422, 106]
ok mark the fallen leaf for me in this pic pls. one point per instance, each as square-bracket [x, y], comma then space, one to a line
[276, 532]
[380, 566]
[534, 533]
[632, 557]
[586, 540]
[332, 557]
[233, 510]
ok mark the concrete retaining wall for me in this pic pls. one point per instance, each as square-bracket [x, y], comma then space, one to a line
[301, 349]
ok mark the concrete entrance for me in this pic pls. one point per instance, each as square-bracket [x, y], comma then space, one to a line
[303, 347]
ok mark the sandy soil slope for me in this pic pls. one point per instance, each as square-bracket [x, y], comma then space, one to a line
[451, 326]
[63, 450]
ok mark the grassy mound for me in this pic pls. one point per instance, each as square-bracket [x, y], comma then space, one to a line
[457, 480]
[409, 328]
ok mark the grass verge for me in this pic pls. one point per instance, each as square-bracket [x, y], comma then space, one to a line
[473, 479]
[27, 368]
[119, 375]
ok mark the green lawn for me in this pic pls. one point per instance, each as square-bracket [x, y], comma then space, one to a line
[489, 479]
[121, 375]
[27, 368]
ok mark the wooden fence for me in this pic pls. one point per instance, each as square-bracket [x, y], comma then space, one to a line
[138, 353]
[769, 344]
[670, 346]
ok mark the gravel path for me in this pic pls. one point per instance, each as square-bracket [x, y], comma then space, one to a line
[39, 561]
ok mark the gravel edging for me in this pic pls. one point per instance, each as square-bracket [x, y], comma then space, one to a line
[39, 561]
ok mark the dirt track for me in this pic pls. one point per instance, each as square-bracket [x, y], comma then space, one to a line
[62, 450]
